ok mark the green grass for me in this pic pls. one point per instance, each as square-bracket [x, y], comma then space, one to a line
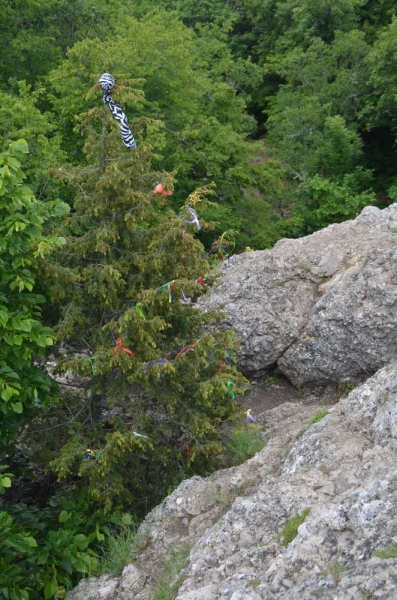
[301, 391]
[272, 380]
[320, 414]
[243, 444]
[168, 578]
[387, 553]
[345, 387]
[290, 530]
[336, 570]
[121, 547]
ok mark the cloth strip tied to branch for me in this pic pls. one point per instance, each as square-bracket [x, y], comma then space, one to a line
[139, 311]
[107, 82]
[119, 346]
[160, 362]
[250, 418]
[195, 218]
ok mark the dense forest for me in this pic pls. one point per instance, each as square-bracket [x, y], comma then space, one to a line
[259, 119]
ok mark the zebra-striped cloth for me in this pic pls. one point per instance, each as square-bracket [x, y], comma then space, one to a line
[107, 82]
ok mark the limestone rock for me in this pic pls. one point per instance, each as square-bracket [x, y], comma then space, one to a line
[322, 307]
[92, 588]
[342, 468]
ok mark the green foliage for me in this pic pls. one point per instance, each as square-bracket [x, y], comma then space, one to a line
[244, 443]
[60, 544]
[15, 542]
[167, 578]
[23, 245]
[381, 62]
[20, 118]
[320, 414]
[290, 530]
[124, 245]
[36, 35]
[387, 553]
[345, 387]
[329, 202]
[273, 379]
[122, 545]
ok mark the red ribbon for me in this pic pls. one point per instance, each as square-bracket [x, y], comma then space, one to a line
[120, 346]
[187, 452]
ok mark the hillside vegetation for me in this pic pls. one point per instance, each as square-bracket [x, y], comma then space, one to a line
[267, 119]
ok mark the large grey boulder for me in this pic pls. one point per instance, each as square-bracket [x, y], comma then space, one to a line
[323, 307]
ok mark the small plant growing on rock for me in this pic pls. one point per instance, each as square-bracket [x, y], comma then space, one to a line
[301, 391]
[290, 530]
[270, 380]
[244, 443]
[168, 577]
[345, 387]
[320, 414]
[387, 553]
[120, 548]
[336, 570]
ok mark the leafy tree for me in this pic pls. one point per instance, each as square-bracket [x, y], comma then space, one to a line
[26, 566]
[20, 117]
[35, 35]
[187, 87]
[23, 337]
[382, 61]
[280, 26]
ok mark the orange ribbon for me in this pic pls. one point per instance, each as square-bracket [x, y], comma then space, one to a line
[185, 350]
[120, 346]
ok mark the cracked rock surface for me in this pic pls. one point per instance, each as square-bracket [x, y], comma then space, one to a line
[322, 307]
[342, 468]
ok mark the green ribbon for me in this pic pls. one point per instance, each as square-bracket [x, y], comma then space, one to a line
[91, 361]
[230, 389]
[139, 311]
[186, 323]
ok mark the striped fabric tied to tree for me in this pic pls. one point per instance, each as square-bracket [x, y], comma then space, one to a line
[107, 82]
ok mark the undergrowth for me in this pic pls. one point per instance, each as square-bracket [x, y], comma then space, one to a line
[244, 443]
[121, 547]
[271, 380]
[168, 579]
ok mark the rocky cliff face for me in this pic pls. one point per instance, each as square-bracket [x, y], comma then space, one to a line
[323, 308]
[342, 468]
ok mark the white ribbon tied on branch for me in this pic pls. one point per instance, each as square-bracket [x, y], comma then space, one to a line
[107, 82]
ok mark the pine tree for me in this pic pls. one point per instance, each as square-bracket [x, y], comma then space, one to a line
[161, 377]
